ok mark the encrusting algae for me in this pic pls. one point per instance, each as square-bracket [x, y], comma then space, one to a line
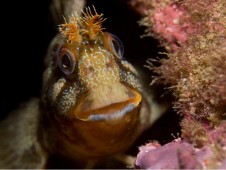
[193, 33]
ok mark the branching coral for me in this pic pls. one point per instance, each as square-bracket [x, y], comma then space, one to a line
[194, 34]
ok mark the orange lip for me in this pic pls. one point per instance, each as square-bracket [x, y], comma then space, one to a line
[92, 109]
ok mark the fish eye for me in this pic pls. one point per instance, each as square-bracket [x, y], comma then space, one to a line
[115, 44]
[65, 61]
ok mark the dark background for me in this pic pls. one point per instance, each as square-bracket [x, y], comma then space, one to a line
[26, 29]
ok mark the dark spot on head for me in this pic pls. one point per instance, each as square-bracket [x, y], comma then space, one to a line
[109, 65]
[90, 69]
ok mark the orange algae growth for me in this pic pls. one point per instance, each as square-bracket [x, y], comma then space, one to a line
[90, 25]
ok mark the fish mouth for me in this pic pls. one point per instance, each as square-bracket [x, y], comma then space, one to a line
[96, 106]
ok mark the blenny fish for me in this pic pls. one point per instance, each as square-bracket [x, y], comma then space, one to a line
[92, 106]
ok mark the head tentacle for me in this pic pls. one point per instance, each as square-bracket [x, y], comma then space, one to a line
[89, 25]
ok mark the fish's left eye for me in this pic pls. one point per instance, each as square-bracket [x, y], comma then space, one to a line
[114, 44]
[65, 61]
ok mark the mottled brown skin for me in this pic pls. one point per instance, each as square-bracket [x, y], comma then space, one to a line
[101, 116]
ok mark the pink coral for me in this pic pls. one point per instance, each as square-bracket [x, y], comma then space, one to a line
[173, 22]
[167, 23]
[174, 155]
[182, 154]
[165, 20]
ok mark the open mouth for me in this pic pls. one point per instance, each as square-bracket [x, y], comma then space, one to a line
[112, 106]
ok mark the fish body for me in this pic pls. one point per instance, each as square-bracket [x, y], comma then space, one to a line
[96, 102]
[92, 104]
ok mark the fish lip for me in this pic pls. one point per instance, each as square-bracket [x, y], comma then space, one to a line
[116, 115]
[109, 112]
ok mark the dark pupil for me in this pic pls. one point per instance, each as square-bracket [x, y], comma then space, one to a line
[66, 62]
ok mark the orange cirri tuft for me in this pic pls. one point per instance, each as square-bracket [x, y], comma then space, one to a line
[70, 30]
[89, 25]
[92, 23]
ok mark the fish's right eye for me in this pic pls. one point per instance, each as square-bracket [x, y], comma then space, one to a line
[65, 61]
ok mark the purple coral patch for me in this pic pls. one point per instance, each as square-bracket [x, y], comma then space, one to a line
[177, 154]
